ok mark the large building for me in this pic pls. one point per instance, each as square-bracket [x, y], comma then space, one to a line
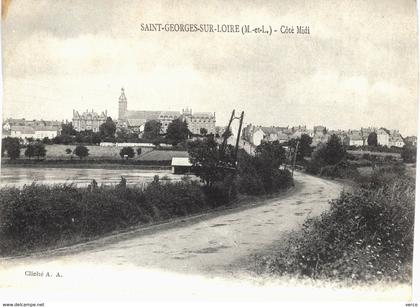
[22, 122]
[135, 120]
[35, 129]
[88, 120]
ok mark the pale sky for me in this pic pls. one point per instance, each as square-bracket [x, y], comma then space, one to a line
[357, 68]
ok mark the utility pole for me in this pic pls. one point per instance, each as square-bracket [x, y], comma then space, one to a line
[238, 137]
[294, 158]
[225, 136]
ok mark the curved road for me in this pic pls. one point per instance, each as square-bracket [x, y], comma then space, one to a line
[209, 246]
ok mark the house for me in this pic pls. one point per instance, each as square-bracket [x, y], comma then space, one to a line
[181, 165]
[354, 138]
[395, 139]
[270, 134]
[21, 122]
[282, 137]
[257, 137]
[25, 132]
[383, 137]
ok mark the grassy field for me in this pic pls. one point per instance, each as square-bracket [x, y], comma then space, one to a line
[58, 152]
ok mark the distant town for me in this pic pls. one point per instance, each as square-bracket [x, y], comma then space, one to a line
[132, 123]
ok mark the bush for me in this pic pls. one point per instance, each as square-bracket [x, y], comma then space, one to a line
[261, 174]
[38, 216]
[409, 154]
[341, 170]
[367, 235]
[221, 192]
[127, 152]
[250, 184]
[174, 199]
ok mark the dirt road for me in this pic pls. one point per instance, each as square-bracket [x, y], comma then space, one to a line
[198, 257]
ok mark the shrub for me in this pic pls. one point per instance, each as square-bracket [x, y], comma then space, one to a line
[341, 170]
[127, 152]
[174, 199]
[261, 174]
[409, 153]
[250, 183]
[37, 216]
[221, 192]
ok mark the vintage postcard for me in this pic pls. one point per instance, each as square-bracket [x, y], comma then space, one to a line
[208, 150]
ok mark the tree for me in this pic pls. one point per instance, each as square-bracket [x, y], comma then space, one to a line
[372, 139]
[152, 129]
[30, 151]
[272, 153]
[107, 129]
[12, 147]
[127, 152]
[203, 131]
[39, 150]
[177, 131]
[260, 173]
[67, 129]
[409, 153]
[304, 148]
[334, 151]
[47, 141]
[207, 161]
[81, 151]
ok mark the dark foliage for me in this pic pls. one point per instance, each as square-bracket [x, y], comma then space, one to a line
[260, 174]
[409, 153]
[127, 152]
[304, 148]
[81, 151]
[35, 150]
[38, 216]
[11, 146]
[107, 129]
[177, 131]
[372, 139]
[152, 129]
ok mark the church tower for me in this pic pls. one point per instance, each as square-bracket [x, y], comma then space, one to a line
[122, 106]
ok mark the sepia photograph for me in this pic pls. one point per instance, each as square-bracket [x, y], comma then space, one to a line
[245, 150]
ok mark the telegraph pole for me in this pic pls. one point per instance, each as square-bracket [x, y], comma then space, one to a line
[238, 136]
[294, 158]
[225, 137]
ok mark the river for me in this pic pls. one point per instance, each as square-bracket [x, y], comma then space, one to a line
[19, 176]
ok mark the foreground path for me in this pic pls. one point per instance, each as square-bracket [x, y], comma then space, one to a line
[207, 247]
